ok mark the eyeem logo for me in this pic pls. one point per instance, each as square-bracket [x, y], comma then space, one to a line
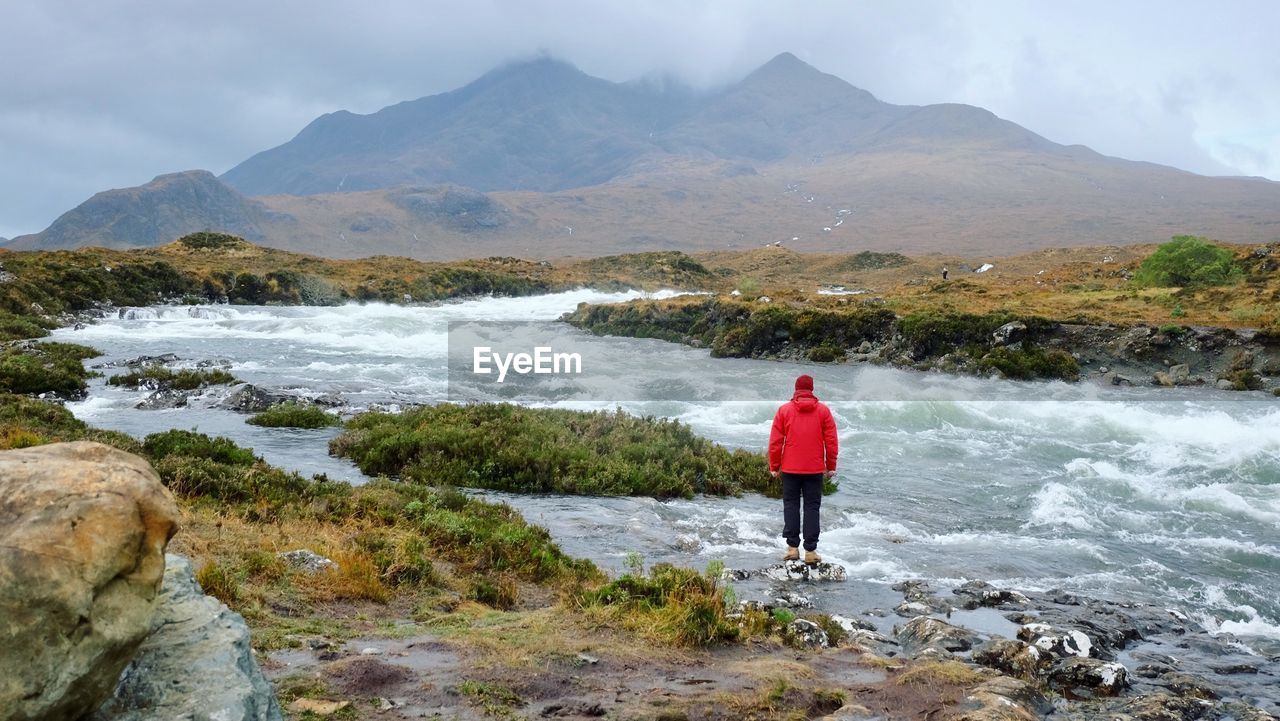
[543, 361]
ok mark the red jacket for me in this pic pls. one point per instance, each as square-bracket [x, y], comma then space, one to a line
[804, 438]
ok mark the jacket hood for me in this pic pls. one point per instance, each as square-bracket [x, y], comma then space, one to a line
[805, 401]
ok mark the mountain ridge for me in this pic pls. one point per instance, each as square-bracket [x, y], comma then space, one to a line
[538, 158]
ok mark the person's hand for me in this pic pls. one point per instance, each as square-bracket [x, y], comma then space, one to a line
[828, 475]
[773, 473]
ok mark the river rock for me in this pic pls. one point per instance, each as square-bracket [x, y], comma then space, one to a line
[1057, 642]
[1016, 658]
[83, 528]
[1180, 374]
[797, 571]
[1225, 385]
[196, 664]
[982, 594]
[1153, 707]
[1185, 684]
[1003, 699]
[165, 399]
[249, 398]
[1088, 677]
[924, 632]
[806, 633]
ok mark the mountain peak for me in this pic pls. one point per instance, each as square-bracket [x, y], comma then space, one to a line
[541, 67]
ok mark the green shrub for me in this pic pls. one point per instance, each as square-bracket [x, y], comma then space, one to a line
[683, 606]
[1030, 362]
[35, 368]
[871, 260]
[206, 240]
[292, 414]
[1188, 261]
[825, 354]
[197, 445]
[545, 450]
[182, 380]
[18, 327]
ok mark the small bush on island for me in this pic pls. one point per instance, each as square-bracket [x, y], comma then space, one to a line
[182, 380]
[547, 450]
[36, 368]
[1188, 261]
[294, 414]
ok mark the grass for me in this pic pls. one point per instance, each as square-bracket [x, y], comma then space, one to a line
[674, 605]
[159, 377]
[37, 368]
[540, 450]
[293, 414]
[938, 673]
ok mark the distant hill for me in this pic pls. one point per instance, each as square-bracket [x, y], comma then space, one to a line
[539, 159]
[153, 214]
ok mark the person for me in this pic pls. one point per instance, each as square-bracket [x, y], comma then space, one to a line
[944, 272]
[803, 447]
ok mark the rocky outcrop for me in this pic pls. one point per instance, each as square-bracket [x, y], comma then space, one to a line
[923, 632]
[196, 664]
[83, 528]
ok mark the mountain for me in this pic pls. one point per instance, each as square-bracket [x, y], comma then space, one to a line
[539, 159]
[169, 206]
[542, 125]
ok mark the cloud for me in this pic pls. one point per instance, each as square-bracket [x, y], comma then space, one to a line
[100, 95]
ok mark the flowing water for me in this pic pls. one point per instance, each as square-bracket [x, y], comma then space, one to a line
[1128, 494]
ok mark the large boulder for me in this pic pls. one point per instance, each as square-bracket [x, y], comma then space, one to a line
[197, 664]
[83, 528]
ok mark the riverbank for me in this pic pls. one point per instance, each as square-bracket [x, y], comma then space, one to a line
[1000, 343]
[397, 600]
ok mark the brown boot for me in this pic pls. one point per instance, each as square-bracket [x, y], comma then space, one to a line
[812, 558]
[793, 554]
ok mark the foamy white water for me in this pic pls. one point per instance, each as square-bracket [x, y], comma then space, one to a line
[1114, 493]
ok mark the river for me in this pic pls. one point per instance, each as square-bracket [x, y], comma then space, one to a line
[1126, 494]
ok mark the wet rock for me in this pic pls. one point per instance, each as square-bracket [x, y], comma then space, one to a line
[1224, 385]
[791, 599]
[1180, 374]
[249, 398]
[923, 632]
[806, 633]
[1088, 677]
[1185, 684]
[196, 664]
[872, 641]
[982, 594]
[797, 571]
[1231, 669]
[1119, 380]
[141, 361]
[1003, 699]
[1240, 711]
[852, 624]
[918, 592]
[852, 712]
[1055, 641]
[865, 347]
[165, 399]
[1153, 707]
[911, 609]
[1014, 657]
[83, 529]
[308, 561]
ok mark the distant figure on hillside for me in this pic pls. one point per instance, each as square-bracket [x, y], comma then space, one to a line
[944, 272]
[803, 447]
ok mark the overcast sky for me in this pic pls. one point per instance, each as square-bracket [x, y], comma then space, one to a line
[97, 95]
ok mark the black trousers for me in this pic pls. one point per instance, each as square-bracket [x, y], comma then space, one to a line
[796, 486]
